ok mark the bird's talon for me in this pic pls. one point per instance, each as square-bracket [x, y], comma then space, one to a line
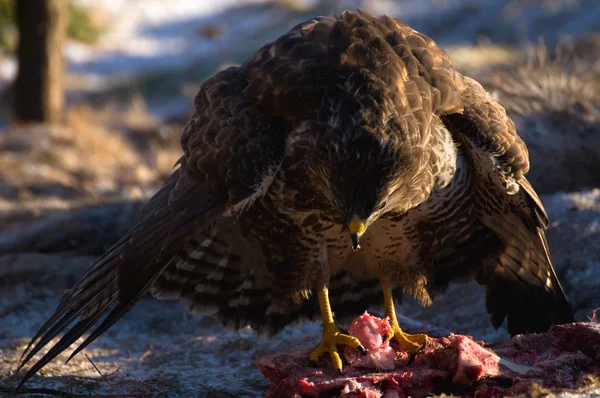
[411, 358]
[412, 343]
[332, 337]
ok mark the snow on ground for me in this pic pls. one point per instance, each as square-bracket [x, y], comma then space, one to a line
[148, 35]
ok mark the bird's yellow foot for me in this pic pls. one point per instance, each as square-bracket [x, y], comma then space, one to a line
[332, 337]
[411, 343]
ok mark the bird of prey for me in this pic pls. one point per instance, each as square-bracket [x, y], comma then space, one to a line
[345, 163]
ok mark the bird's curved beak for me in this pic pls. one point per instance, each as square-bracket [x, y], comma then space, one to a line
[357, 228]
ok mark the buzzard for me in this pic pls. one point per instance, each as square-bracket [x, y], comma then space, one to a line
[346, 163]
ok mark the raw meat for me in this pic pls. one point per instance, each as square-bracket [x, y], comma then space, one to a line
[558, 359]
[370, 331]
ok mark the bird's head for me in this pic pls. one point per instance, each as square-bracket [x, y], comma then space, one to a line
[362, 177]
[363, 209]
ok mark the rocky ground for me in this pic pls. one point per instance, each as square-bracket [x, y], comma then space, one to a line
[66, 193]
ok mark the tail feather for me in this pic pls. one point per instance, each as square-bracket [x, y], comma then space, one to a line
[522, 286]
[116, 314]
[110, 288]
[69, 338]
[87, 300]
[65, 314]
[563, 311]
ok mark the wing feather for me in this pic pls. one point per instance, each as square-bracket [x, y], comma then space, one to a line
[522, 286]
[231, 153]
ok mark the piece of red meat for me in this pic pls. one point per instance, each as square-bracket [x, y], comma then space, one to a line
[370, 331]
[560, 358]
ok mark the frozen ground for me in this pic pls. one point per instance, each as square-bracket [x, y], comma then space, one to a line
[162, 49]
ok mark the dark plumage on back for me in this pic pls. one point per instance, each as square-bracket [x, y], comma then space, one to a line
[348, 124]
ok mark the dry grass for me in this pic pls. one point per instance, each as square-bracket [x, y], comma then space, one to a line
[98, 154]
[469, 59]
[564, 80]
[553, 96]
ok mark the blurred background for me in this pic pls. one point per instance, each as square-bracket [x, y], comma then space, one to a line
[93, 94]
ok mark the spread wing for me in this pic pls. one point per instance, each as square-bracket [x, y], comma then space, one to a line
[521, 283]
[232, 152]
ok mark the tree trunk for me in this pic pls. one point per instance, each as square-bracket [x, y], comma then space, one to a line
[38, 89]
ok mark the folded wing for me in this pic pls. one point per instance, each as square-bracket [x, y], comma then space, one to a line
[522, 286]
